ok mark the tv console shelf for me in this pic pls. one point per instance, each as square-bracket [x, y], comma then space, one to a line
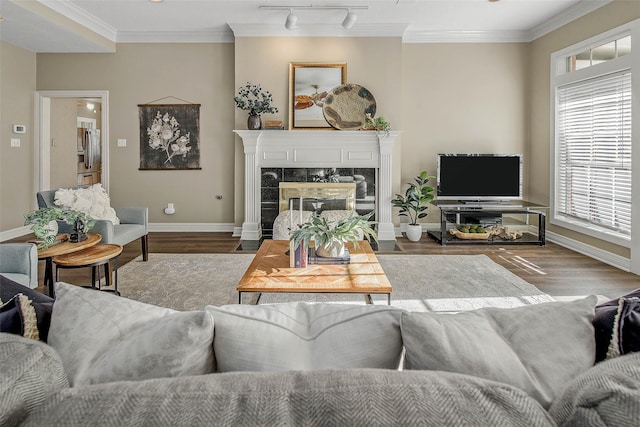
[454, 213]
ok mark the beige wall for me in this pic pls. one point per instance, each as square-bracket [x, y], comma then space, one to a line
[17, 83]
[463, 98]
[141, 73]
[64, 146]
[605, 18]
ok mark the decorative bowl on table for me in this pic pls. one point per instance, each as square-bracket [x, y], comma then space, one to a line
[470, 232]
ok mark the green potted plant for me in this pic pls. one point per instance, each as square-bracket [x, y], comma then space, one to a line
[379, 124]
[253, 99]
[414, 204]
[45, 227]
[330, 237]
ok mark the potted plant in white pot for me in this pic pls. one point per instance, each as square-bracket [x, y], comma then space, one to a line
[414, 203]
[330, 237]
[45, 226]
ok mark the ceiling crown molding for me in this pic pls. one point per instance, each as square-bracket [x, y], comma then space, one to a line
[578, 11]
[443, 36]
[82, 17]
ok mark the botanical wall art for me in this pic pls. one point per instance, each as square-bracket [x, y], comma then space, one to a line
[169, 136]
[309, 84]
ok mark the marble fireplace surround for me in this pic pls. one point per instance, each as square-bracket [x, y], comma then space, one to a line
[316, 149]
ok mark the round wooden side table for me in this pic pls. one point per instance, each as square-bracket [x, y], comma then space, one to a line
[63, 248]
[93, 257]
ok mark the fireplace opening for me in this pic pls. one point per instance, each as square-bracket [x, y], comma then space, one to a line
[270, 178]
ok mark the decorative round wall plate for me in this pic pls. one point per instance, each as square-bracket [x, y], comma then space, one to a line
[346, 106]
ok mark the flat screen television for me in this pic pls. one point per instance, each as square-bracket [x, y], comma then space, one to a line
[479, 177]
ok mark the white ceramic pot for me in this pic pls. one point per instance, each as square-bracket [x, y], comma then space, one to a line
[414, 232]
[51, 228]
[332, 249]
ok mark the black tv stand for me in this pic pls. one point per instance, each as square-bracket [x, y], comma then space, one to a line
[486, 214]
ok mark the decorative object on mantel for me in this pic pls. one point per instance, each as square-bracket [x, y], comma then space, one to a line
[45, 228]
[253, 99]
[273, 124]
[379, 124]
[309, 84]
[414, 204]
[169, 136]
[330, 237]
[346, 106]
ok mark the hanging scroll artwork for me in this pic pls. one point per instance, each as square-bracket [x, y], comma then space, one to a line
[169, 136]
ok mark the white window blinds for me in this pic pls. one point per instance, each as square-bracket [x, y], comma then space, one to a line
[593, 162]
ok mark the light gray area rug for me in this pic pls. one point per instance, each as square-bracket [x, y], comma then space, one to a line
[442, 283]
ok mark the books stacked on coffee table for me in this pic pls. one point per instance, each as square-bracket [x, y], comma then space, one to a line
[317, 259]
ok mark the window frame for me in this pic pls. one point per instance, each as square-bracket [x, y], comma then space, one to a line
[560, 77]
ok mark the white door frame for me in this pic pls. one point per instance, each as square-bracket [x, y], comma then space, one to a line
[42, 134]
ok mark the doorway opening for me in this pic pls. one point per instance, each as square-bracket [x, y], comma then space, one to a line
[43, 132]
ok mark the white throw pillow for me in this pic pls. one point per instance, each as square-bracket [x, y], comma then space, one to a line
[93, 200]
[301, 336]
[538, 348]
[103, 338]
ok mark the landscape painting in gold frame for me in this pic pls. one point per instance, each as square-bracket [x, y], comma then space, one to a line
[309, 83]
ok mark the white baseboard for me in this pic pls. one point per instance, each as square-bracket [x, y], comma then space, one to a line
[192, 227]
[14, 233]
[591, 251]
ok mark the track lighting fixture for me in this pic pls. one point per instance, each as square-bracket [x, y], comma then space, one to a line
[349, 20]
[292, 19]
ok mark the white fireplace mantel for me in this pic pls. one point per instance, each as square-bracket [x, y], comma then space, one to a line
[316, 148]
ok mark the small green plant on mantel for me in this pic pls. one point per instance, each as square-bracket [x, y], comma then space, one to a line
[379, 124]
[330, 237]
[40, 219]
[416, 199]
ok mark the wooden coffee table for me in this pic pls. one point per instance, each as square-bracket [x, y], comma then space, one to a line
[270, 272]
[63, 248]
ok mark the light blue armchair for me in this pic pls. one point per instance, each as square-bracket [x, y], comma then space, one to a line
[133, 224]
[19, 262]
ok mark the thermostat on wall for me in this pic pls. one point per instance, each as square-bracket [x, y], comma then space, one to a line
[19, 129]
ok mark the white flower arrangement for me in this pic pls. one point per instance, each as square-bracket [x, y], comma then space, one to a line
[164, 134]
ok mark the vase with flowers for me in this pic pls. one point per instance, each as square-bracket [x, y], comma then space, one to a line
[256, 101]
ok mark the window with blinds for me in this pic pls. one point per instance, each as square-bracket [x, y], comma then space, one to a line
[593, 152]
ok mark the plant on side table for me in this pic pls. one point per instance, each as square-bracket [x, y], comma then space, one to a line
[45, 227]
[330, 237]
[414, 203]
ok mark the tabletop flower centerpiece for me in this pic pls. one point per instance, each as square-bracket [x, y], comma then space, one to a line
[253, 99]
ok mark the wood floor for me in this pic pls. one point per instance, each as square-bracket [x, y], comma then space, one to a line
[553, 269]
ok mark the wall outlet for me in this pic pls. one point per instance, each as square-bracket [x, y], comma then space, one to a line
[122, 142]
[15, 142]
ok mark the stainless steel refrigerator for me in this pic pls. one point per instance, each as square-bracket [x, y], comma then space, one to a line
[89, 156]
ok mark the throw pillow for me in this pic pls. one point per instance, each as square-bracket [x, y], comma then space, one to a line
[537, 348]
[92, 200]
[624, 314]
[102, 338]
[301, 336]
[21, 316]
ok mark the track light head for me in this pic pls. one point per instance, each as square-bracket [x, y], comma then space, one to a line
[292, 20]
[349, 20]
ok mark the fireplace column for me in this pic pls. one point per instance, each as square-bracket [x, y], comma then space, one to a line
[386, 231]
[251, 230]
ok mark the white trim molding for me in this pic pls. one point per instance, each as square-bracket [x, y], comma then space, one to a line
[195, 227]
[591, 251]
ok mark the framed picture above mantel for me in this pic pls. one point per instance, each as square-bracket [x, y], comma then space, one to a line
[309, 84]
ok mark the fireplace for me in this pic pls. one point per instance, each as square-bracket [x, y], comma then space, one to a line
[316, 154]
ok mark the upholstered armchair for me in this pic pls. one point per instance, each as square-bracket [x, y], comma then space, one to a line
[133, 224]
[19, 262]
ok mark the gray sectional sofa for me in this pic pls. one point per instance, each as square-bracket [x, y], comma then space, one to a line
[114, 361]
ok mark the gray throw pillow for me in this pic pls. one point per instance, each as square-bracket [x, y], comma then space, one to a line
[301, 336]
[537, 348]
[102, 338]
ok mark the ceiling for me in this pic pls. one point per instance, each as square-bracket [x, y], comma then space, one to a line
[96, 25]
